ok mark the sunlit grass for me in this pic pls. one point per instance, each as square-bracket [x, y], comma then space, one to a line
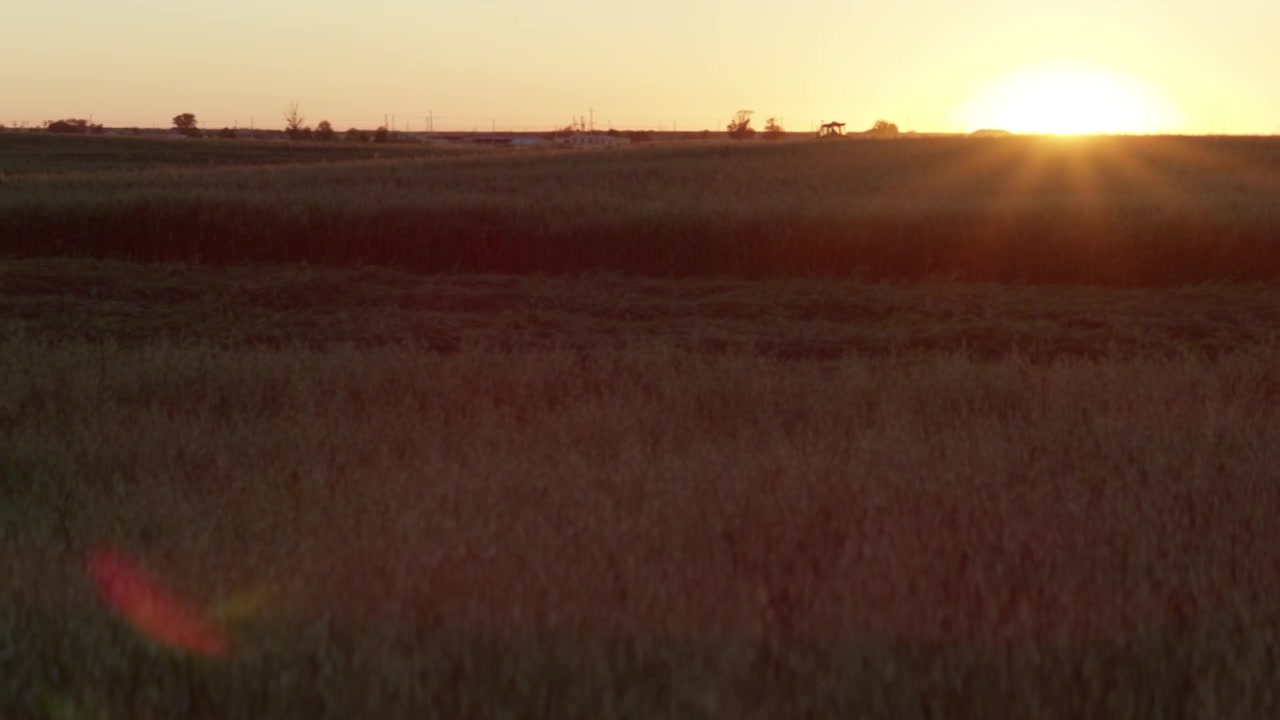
[27, 154]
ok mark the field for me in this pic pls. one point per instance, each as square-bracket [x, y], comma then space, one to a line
[1119, 211]
[645, 489]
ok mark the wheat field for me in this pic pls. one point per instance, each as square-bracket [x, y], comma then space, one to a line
[1108, 211]
[611, 496]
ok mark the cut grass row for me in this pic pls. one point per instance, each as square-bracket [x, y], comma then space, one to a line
[128, 303]
[1109, 211]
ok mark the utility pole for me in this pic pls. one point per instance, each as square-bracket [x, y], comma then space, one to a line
[593, 118]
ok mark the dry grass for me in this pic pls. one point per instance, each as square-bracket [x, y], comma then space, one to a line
[1110, 211]
[563, 516]
[1087, 493]
[792, 318]
[39, 154]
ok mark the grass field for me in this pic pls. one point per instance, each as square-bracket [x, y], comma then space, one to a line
[1123, 211]
[616, 494]
[611, 496]
[39, 154]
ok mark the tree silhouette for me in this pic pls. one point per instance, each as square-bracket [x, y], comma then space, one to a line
[293, 121]
[773, 129]
[324, 131]
[186, 124]
[883, 128]
[72, 126]
[740, 127]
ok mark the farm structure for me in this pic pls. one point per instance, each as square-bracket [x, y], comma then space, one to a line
[831, 129]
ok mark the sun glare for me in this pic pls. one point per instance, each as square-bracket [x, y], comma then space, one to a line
[1069, 100]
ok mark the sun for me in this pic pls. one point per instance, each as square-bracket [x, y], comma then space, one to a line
[1068, 100]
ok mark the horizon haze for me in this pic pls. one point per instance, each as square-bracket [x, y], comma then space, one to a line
[935, 66]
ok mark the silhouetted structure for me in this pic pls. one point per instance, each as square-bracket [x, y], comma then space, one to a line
[831, 129]
[740, 128]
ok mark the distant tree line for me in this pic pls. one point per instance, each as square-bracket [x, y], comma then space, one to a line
[295, 128]
[739, 128]
[73, 126]
[635, 136]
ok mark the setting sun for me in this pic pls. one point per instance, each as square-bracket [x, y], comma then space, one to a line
[1069, 100]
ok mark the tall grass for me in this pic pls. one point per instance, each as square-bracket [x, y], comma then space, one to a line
[649, 531]
[1110, 211]
[607, 496]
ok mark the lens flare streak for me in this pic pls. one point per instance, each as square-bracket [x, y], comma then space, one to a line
[152, 608]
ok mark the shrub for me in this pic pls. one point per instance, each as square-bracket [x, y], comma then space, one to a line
[773, 129]
[73, 126]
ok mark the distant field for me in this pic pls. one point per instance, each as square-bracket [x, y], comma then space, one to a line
[1124, 211]
[28, 153]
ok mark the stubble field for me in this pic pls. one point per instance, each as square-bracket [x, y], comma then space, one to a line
[611, 495]
[1125, 211]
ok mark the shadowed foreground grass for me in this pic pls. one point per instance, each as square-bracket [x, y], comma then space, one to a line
[315, 307]
[370, 669]
[646, 530]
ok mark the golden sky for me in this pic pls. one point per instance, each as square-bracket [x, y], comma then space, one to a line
[929, 65]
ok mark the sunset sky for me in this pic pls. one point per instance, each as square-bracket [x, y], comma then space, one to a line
[929, 65]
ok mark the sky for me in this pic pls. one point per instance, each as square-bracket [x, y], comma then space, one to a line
[929, 65]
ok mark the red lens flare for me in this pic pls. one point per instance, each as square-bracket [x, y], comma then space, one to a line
[152, 608]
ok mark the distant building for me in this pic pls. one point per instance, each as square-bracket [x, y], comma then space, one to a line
[514, 140]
